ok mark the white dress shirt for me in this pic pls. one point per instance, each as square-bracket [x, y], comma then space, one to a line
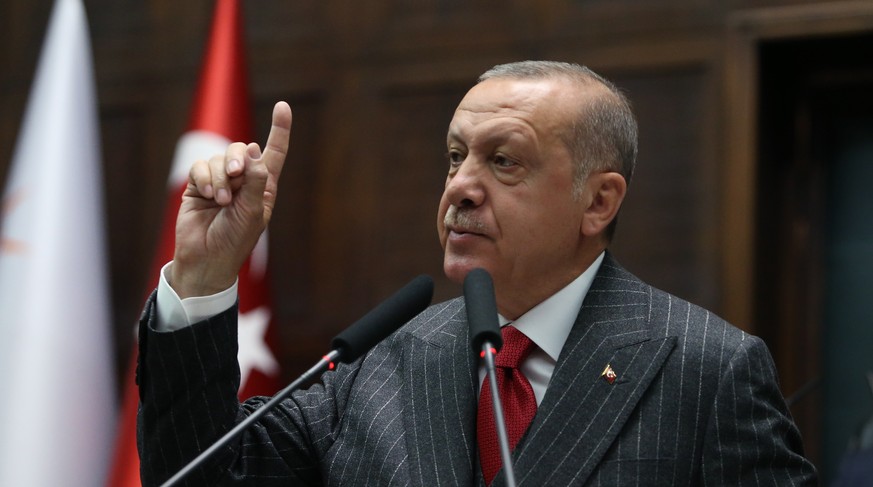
[548, 325]
[175, 313]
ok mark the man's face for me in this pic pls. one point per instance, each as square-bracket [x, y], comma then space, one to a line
[508, 203]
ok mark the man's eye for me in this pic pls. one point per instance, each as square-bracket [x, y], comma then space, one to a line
[455, 157]
[502, 161]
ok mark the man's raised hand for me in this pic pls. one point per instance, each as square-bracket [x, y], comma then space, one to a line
[227, 205]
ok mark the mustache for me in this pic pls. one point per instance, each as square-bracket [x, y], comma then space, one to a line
[463, 219]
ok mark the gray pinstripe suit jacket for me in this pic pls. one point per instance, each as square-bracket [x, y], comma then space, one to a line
[696, 402]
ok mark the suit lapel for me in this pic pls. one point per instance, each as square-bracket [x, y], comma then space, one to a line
[440, 399]
[582, 413]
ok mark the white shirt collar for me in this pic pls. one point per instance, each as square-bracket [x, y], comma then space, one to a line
[548, 324]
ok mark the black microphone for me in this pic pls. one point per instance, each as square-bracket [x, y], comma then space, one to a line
[482, 310]
[485, 337]
[380, 322]
[353, 342]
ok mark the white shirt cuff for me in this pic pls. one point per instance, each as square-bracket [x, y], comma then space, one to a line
[175, 313]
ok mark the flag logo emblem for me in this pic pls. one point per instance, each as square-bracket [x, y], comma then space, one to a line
[608, 374]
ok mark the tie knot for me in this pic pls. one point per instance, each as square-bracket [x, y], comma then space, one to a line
[516, 348]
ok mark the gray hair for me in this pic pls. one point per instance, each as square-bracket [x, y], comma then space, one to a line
[603, 137]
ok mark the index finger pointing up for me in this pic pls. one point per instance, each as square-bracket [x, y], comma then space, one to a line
[277, 142]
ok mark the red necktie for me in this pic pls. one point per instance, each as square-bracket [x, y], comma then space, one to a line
[516, 395]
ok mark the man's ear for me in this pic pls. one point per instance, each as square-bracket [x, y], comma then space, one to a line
[605, 192]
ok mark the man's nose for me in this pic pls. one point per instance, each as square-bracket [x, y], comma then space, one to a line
[465, 188]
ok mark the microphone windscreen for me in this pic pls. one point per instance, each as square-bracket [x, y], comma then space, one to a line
[481, 310]
[384, 319]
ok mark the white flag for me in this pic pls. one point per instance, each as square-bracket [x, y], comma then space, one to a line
[57, 414]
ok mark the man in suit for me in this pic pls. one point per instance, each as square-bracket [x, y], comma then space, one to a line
[622, 383]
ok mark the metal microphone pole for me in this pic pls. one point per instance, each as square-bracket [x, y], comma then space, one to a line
[485, 333]
[325, 363]
[488, 353]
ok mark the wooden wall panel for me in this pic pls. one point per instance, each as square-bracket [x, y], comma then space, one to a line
[290, 233]
[131, 225]
[410, 180]
[666, 230]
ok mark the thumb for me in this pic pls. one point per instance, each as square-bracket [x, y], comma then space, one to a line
[252, 191]
[253, 154]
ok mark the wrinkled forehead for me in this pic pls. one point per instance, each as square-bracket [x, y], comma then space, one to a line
[544, 105]
[509, 95]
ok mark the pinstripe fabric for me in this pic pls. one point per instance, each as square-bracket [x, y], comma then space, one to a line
[696, 402]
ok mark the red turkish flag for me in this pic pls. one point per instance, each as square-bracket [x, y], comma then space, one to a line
[220, 115]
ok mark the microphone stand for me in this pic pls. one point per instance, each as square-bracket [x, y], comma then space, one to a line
[487, 355]
[485, 333]
[325, 363]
